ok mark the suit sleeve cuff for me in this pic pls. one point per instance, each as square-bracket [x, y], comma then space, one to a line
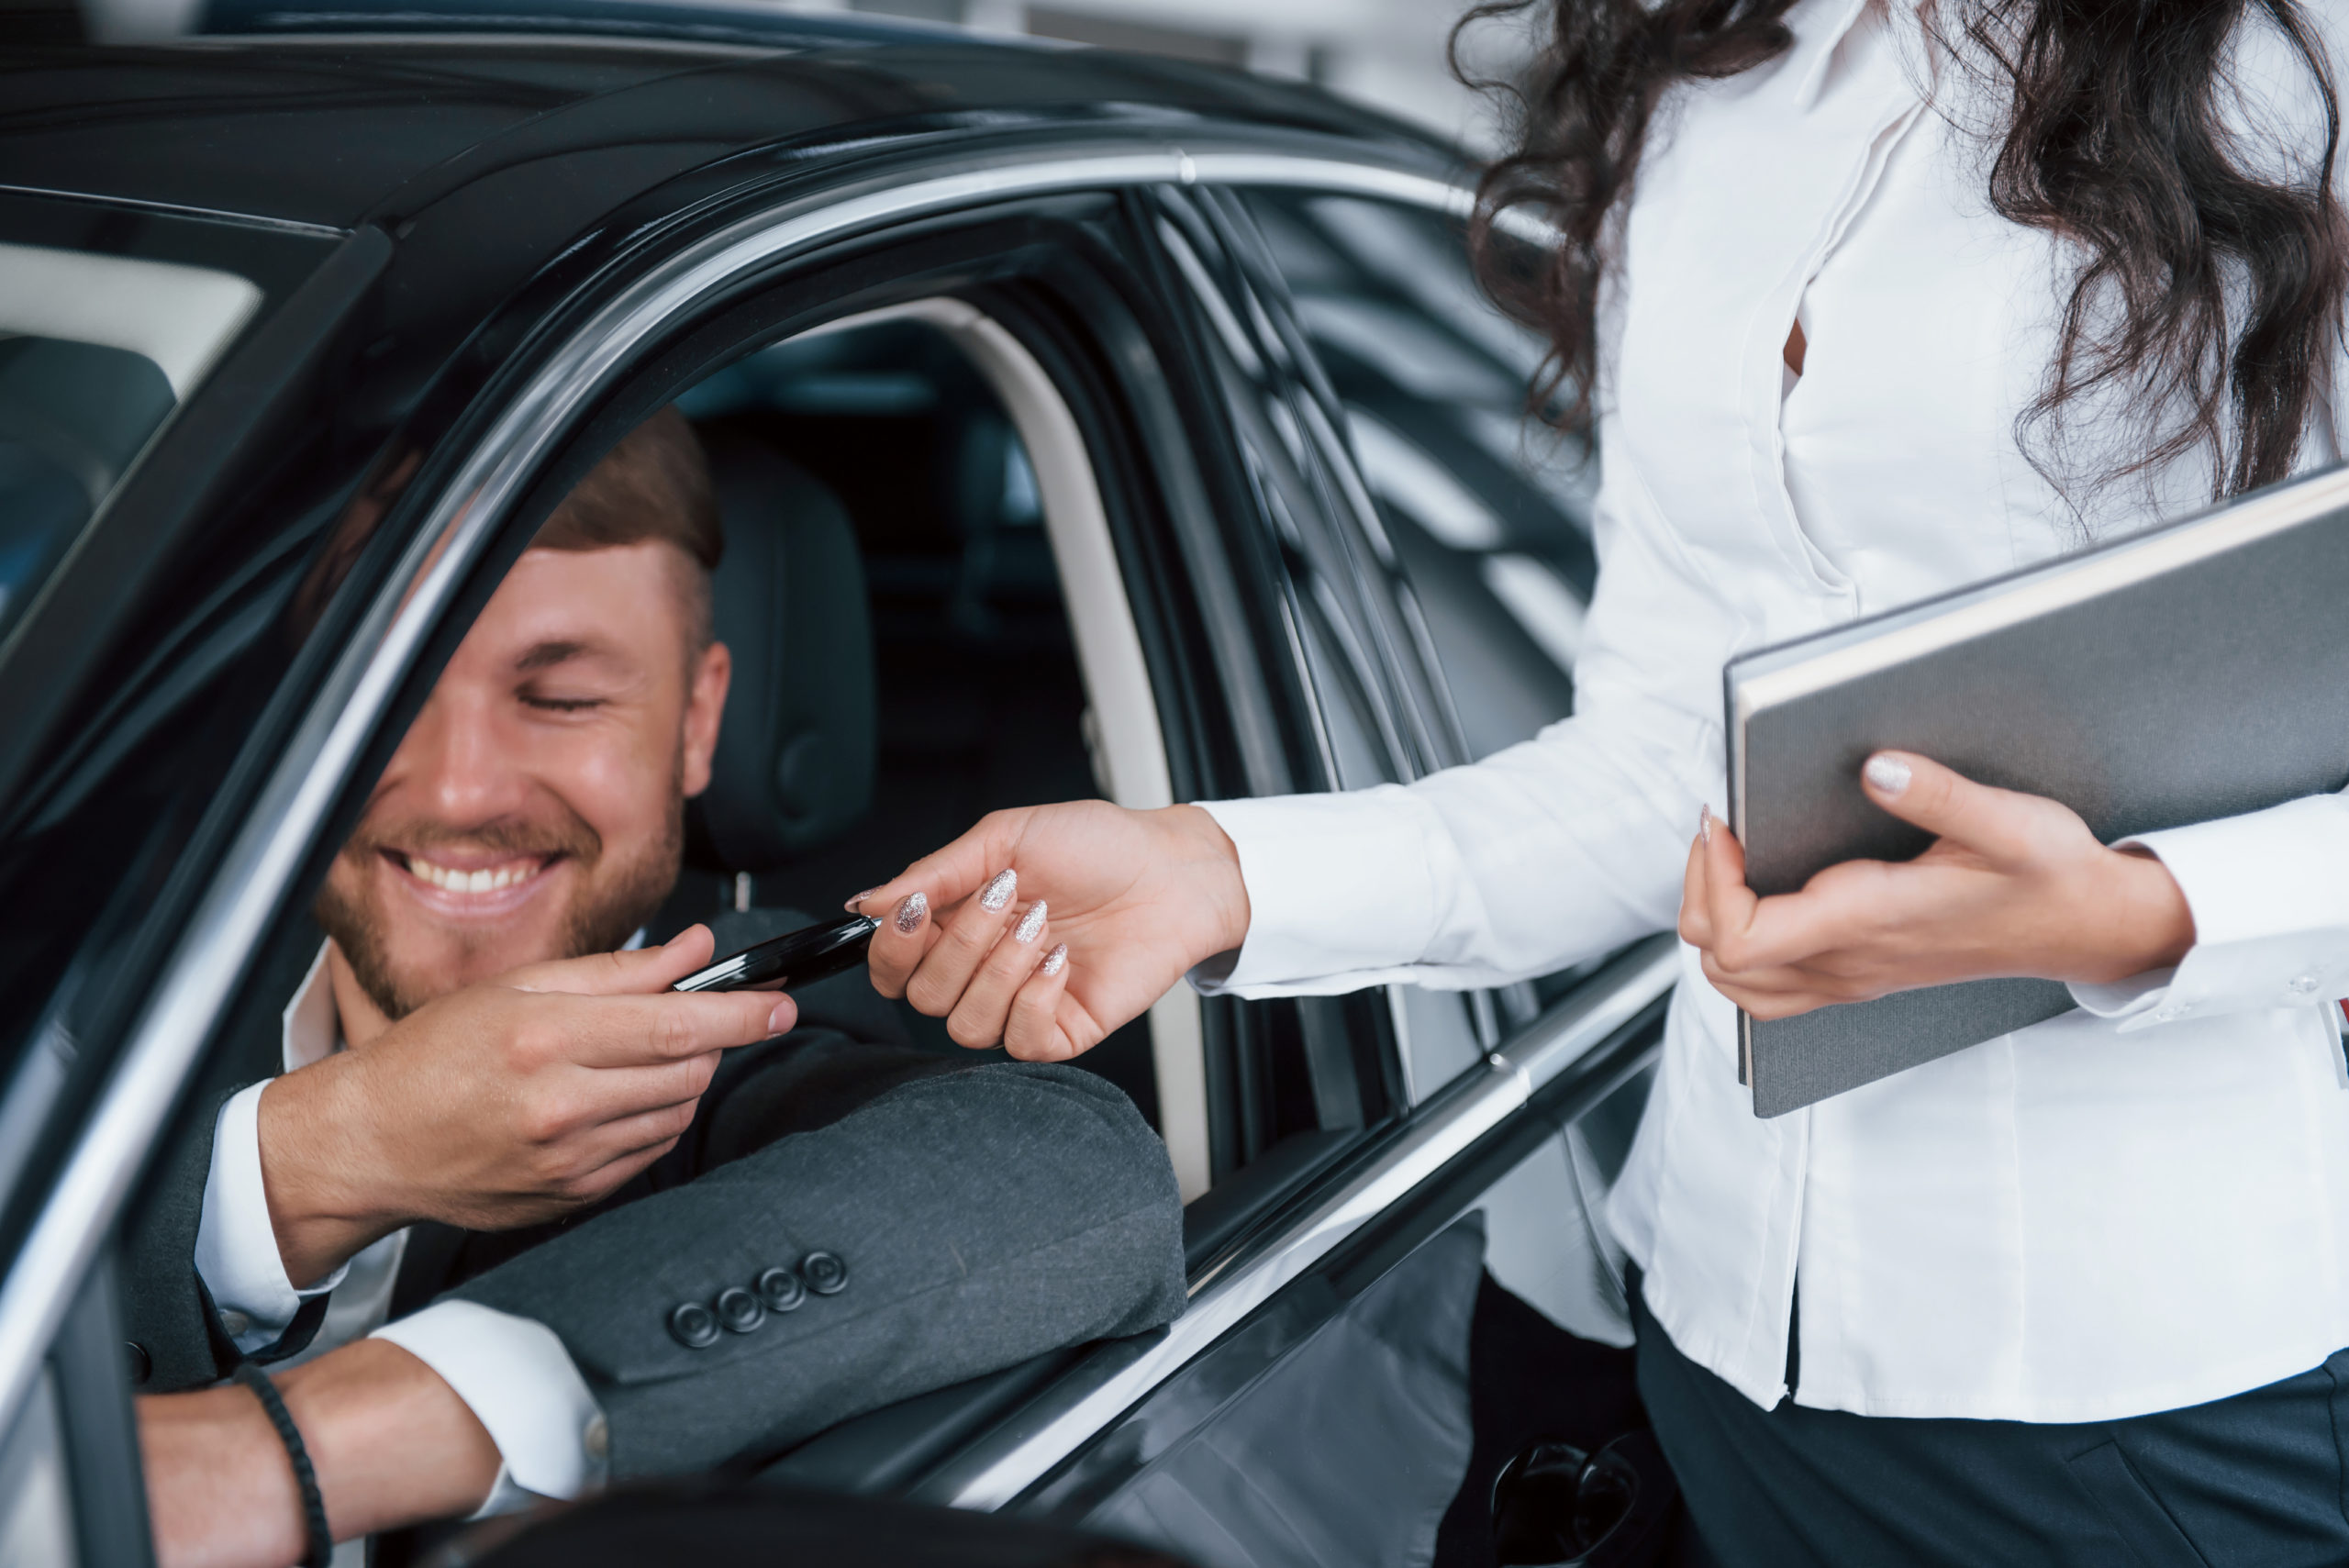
[2270, 892]
[1341, 892]
[236, 1245]
[521, 1385]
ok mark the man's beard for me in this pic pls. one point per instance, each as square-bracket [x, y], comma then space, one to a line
[601, 917]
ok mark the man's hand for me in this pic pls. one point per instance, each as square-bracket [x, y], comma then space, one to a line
[2013, 885]
[390, 1441]
[500, 1105]
[1137, 898]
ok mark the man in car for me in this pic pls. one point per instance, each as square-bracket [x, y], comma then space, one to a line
[651, 1237]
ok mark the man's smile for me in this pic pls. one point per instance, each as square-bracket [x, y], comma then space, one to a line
[460, 882]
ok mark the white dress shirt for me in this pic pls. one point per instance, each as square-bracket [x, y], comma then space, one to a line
[2141, 1205]
[513, 1373]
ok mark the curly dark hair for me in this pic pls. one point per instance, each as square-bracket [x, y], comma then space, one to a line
[2229, 281]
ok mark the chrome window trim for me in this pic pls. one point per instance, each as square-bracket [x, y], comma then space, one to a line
[1005, 1463]
[252, 882]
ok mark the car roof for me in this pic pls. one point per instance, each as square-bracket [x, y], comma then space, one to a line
[376, 109]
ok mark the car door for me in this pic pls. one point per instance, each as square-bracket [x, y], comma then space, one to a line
[1436, 1293]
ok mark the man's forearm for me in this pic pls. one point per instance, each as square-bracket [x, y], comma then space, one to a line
[391, 1442]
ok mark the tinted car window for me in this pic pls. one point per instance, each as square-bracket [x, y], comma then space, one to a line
[95, 352]
[1488, 509]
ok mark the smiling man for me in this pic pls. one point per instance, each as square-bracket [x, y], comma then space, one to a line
[644, 1236]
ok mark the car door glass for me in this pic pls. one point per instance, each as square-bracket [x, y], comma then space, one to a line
[95, 350]
[1487, 509]
[1362, 733]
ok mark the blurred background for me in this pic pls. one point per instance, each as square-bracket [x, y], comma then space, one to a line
[1386, 53]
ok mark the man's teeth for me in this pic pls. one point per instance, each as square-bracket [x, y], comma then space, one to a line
[487, 881]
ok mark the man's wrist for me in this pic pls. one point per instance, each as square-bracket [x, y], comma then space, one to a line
[321, 1207]
[392, 1442]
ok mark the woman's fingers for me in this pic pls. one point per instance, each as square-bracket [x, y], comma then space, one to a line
[1035, 1031]
[1696, 925]
[964, 938]
[979, 1018]
[2004, 827]
[1729, 904]
[908, 905]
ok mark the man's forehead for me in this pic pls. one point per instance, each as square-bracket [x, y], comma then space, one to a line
[557, 604]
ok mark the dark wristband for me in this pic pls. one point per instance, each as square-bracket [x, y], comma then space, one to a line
[314, 1504]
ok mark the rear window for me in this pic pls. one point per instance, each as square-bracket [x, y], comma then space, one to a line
[95, 351]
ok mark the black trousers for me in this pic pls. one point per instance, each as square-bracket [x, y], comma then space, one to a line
[2259, 1480]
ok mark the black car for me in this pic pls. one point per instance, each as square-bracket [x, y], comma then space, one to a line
[1179, 457]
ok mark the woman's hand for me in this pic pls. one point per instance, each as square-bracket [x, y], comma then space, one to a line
[1045, 928]
[2013, 885]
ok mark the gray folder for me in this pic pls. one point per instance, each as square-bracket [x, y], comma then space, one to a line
[2189, 672]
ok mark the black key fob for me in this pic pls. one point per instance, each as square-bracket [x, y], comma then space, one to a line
[795, 958]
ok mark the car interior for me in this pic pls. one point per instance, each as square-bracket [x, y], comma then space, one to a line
[903, 657]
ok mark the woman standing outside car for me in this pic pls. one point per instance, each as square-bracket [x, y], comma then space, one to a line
[1872, 301]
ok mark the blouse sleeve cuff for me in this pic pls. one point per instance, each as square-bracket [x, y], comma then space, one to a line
[2270, 892]
[1341, 891]
[523, 1387]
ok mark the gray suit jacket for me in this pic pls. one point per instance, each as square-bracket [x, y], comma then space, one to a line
[975, 1217]
[975, 1213]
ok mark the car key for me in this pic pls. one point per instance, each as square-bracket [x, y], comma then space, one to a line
[796, 958]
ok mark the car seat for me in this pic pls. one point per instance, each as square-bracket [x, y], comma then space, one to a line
[795, 764]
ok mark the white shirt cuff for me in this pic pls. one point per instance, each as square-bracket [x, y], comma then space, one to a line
[2270, 892]
[1340, 891]
[236, 1245]
[521, 1385]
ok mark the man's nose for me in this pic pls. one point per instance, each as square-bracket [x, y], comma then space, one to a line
[458, 764]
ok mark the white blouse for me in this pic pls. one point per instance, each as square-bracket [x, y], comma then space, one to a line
[2134, 1206]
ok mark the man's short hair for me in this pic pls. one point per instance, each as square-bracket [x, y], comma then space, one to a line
[654, 486]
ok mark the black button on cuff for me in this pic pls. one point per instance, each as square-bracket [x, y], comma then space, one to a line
[825, 1273]
[693, 1325]
[781, 1289]
[739, 1310]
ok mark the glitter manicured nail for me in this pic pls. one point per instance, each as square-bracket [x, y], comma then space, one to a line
[996, 896]
[1056, 960]
[1887, 773]
[1705, 823]
[910, 910]
[1031, 924]
[854, 905]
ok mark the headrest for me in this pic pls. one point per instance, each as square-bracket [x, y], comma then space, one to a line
[795, 756]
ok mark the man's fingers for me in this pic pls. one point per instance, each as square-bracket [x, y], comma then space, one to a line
[626, 1031]
[625, 1138]
[609, 1094]
[1998, 823]
[642, 972]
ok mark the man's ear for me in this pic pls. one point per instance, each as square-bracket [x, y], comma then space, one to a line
[705, 707]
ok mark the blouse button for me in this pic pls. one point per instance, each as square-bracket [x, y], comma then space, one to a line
[2304, 984]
